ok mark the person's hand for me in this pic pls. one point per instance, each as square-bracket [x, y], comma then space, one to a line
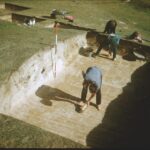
[81, 103]
[84, 106]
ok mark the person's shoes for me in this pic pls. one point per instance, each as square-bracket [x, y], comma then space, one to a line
[98, 107]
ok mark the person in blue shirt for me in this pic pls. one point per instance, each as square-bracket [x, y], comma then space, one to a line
[93, 81]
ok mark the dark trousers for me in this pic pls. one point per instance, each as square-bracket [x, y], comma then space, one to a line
[111, 47]
[104, 44]
[84, 94]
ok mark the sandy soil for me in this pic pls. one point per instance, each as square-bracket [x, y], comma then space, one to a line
[34, 95]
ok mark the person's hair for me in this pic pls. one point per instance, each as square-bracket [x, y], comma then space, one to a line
[92, 88]
[134, 34]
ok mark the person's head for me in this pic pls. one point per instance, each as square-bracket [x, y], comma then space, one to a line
[135, 34]
[92, 88]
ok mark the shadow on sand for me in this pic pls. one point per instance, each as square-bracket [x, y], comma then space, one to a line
[126, 123]
[132, 57]
[88, 52]
[48, 93]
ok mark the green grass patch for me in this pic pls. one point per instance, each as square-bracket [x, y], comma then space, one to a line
[4, 12]
[18, 134]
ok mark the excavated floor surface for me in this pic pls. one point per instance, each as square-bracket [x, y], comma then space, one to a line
[51, 104]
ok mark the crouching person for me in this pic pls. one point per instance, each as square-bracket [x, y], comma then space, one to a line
[135, 36]
[93, 81]
[112, 44]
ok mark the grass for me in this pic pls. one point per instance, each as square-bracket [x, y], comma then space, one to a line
[18, 134]
[18, 43]
[4, 12]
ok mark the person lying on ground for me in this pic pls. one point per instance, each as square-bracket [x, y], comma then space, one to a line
[135, 36]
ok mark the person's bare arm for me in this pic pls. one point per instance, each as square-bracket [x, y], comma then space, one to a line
[85, 105]
[90, 98]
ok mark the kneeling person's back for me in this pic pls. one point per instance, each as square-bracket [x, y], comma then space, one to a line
[93, 74]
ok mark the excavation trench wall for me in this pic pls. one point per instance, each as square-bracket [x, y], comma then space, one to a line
[21, 18]
[32, 93]
[15, 17]
[36, 71]
[14, 7]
